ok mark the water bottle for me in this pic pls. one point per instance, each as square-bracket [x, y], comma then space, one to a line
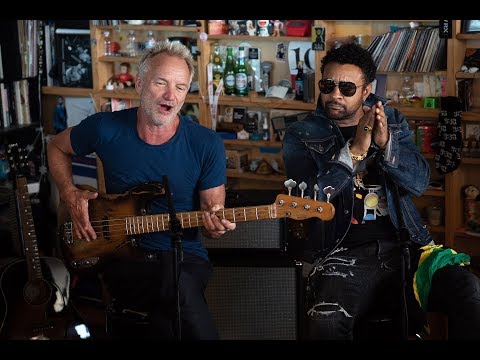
[149, 40]
[131, 43]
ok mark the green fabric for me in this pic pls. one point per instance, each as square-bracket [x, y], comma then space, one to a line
[436, 260]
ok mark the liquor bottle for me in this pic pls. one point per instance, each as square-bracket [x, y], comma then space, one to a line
[131, 43]
[299, 81]
[217, 68]
[107, 42]
[265, 131]
[241, 81]
[150, 40]
[229, 73]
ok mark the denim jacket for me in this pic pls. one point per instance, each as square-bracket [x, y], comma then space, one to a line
[315, 152]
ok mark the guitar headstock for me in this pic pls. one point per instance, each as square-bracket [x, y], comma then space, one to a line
[298, 208]
[17, 159]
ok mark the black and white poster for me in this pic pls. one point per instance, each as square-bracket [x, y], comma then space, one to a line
[73, 63]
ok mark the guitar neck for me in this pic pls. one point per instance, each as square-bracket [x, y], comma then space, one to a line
[161, 222]
[28, 229]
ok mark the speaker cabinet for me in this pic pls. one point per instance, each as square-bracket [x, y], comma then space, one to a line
[257, 302]
[261, 234]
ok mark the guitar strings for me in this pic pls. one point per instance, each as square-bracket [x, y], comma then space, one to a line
[152, 223]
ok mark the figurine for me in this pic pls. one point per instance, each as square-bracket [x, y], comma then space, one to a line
[123, 79]
[262, 28]
[60, 116]
[277, 27]
[472, 208]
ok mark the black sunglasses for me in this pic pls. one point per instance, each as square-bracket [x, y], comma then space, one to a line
[347, 88]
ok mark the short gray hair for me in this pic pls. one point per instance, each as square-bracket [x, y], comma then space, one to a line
[169, 48]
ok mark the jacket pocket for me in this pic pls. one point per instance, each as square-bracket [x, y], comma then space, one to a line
[322, 146]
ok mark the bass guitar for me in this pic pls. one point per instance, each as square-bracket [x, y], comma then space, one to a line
[34, 305]
[118, 218]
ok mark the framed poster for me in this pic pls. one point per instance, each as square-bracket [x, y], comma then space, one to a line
[73, 58]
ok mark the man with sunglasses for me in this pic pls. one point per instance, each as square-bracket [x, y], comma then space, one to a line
[363, 159]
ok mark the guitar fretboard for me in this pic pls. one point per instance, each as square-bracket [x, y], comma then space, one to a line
[161, 222]
[28, 229]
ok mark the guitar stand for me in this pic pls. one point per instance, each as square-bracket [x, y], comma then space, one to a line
[176, 235]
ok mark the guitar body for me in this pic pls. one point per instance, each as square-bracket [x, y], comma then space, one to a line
[106, 214]
[28, 307]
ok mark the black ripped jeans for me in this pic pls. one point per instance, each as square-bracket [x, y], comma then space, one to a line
[146, 284]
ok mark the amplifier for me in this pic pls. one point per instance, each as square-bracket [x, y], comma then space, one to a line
[262, 234]
[270, 234]
[258, 299]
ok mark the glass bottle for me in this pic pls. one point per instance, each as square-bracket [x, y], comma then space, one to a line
[107, 42]
[266, 70]
[299, 81]
[217, 66]
[150, 40]
[265, 130]
[229, 73]
[241, 81]
[131, 43]
[407, 91]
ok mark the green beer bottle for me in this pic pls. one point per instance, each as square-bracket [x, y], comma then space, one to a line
[229, 73]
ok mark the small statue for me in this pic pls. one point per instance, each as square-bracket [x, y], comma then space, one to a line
[472, 208]
[122, 80]
[277, 27]
[60, 116]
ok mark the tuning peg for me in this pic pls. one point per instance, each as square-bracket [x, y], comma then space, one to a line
[302, 186]
[315, 191]
[290, 184]
[328, 190]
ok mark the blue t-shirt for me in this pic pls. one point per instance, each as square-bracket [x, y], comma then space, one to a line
[193, 160]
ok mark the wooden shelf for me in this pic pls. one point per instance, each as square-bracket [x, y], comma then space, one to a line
[437, 193]
[462, 36]
[465, 75]
[262, 101]
[252, 143]
[470, 116]
[192, 29]
[417, 112]
[252, 176]
[66, 91]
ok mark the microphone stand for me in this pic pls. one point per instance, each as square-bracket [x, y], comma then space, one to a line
[404, 239]
[176, 236]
